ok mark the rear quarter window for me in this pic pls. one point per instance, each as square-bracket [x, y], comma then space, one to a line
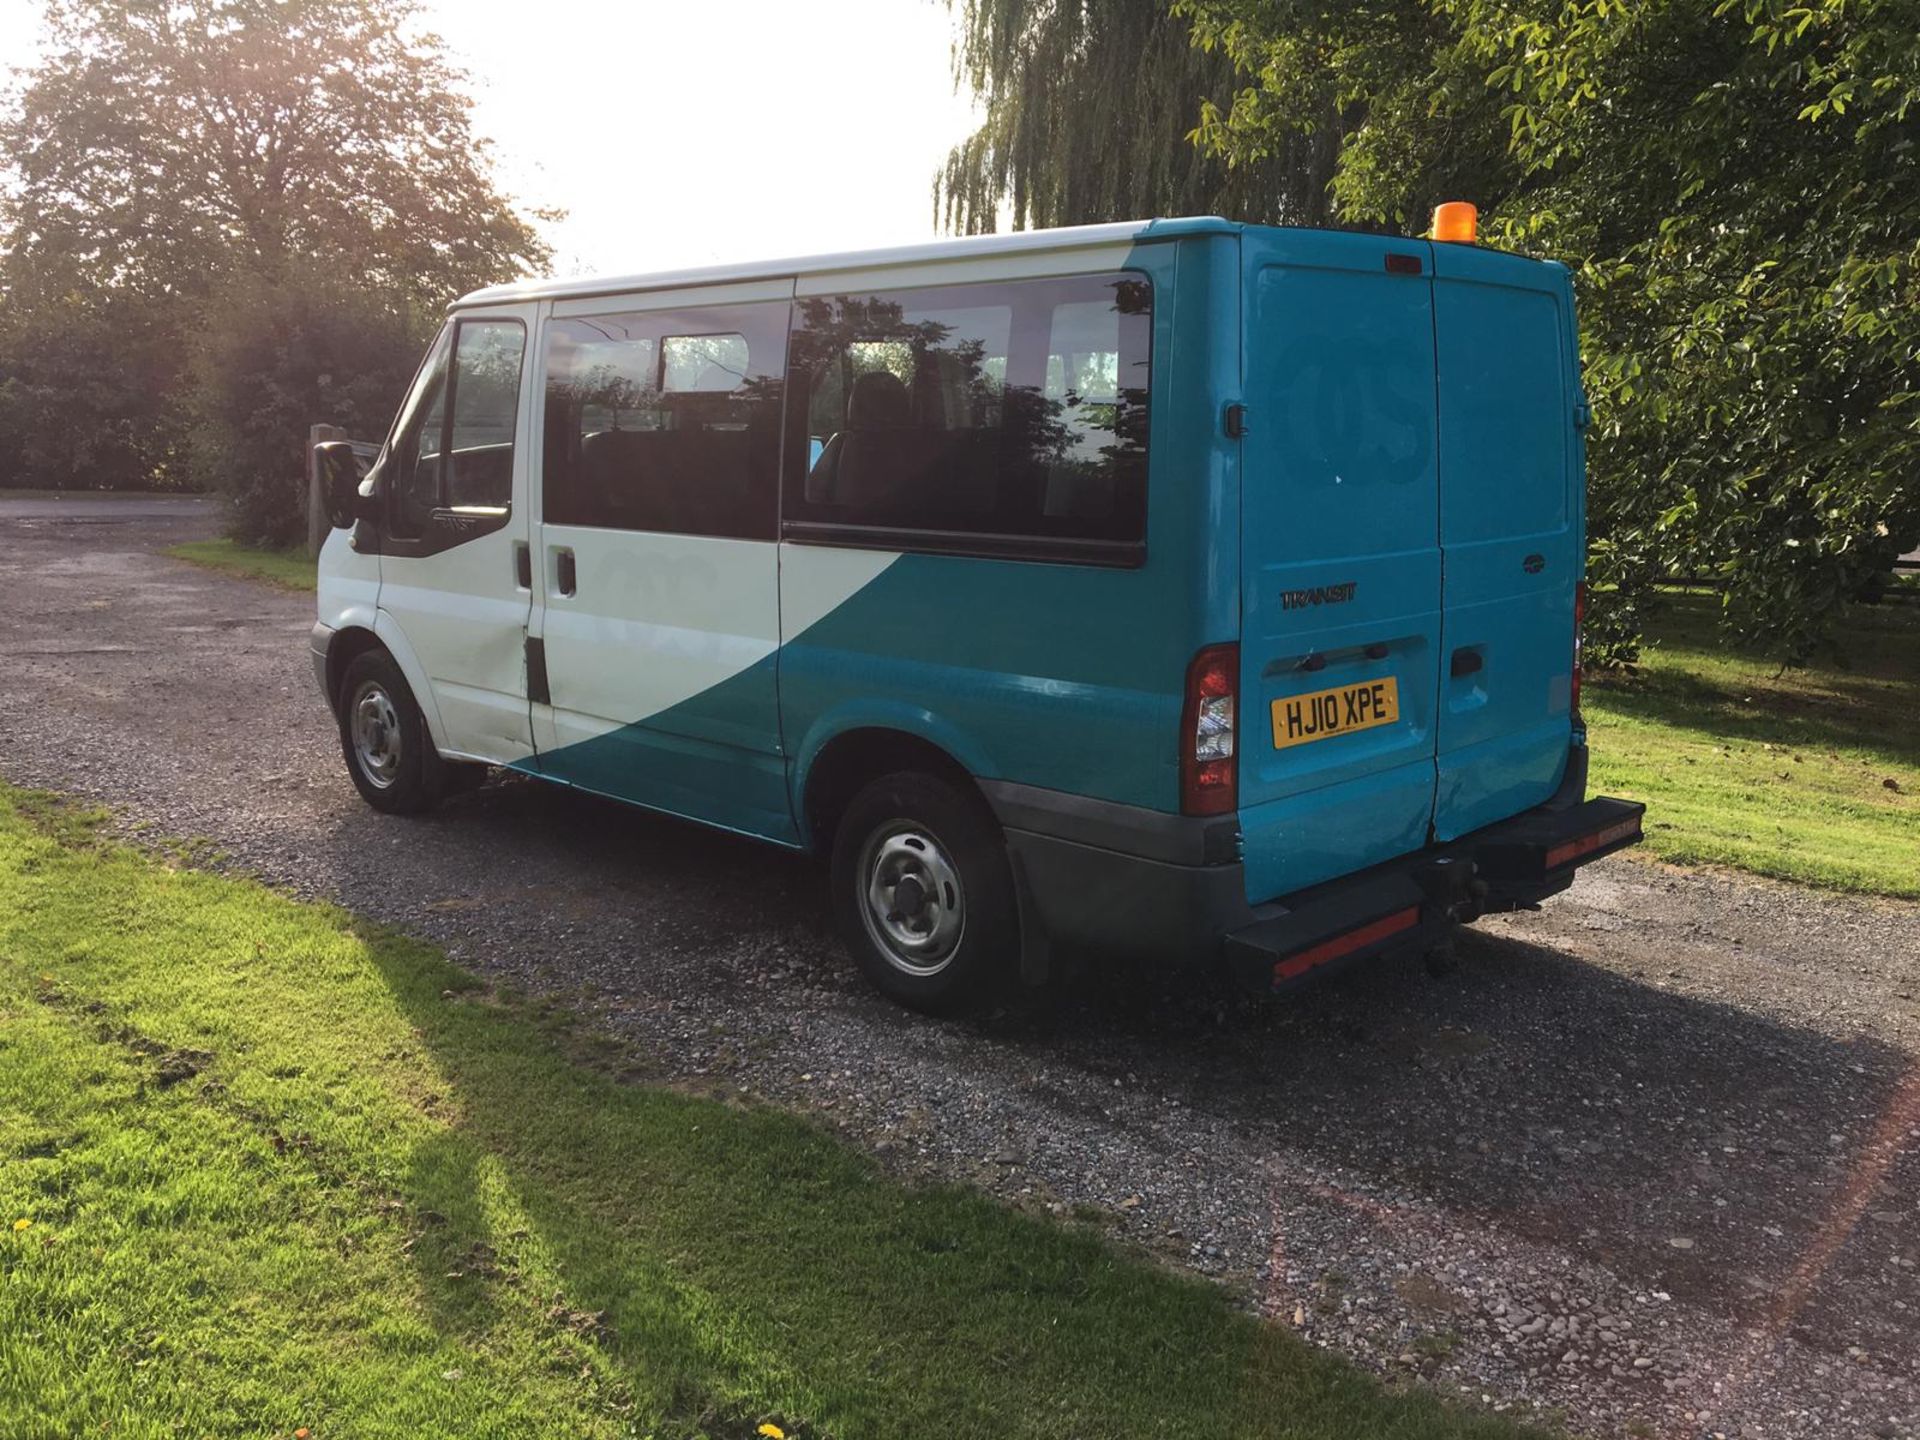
[996, 418]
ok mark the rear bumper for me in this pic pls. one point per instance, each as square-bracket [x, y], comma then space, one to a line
[1132, 882]
[1119, 879]
[1415, 901]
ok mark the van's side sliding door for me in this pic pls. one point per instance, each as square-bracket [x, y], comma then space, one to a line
[651, 667]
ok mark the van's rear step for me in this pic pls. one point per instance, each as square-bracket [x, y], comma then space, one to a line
[1417, 900]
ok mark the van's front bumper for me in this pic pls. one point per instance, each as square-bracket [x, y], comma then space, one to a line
[319, 642]
[1125, 881]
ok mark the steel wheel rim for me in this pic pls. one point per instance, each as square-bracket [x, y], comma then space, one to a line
[374, 724]
[912, 901]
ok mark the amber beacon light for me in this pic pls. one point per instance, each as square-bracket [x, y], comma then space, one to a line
[1458, 221]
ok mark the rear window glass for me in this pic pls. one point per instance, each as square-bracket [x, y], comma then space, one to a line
[984, 413]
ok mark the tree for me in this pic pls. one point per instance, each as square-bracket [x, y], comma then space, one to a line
[270, 361]
[1089, 104]
[161, 145]
[180, 164]
[85, 384]
[1739, 185]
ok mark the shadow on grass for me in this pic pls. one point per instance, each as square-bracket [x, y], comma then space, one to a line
[1860, 698]
[727, 1263]
[1587, 1109]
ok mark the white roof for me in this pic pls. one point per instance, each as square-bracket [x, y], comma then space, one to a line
[967, 247]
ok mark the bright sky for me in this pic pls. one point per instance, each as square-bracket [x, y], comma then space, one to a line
[686, 134]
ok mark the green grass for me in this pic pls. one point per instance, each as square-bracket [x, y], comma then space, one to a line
[287, 1170]
[1781, 773]
[289, 569]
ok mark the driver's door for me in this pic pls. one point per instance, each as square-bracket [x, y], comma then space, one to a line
[454, 559]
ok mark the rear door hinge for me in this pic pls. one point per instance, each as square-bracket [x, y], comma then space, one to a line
[1582, 413]
[1235, 420]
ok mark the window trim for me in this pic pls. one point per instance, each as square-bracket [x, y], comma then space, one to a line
[977, 545]
[971, 544]
[392, 453]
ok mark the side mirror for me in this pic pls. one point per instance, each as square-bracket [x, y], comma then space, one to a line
[341, 473]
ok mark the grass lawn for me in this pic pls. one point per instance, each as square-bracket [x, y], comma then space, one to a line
[264, 1167]
[289, 569]
[1783, 774]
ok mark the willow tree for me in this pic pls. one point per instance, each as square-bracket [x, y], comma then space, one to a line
[1090, 110]
[1737, 183]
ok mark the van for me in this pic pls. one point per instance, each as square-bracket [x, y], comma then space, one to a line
[1184, 589]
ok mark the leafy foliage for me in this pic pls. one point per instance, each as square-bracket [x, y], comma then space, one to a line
[1089, 104]
[1740, 187]
[183, 169]
[270, 360]
[84, 383]
[162, 147]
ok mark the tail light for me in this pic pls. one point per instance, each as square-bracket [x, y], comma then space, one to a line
[1209, 780]
[1579, 620]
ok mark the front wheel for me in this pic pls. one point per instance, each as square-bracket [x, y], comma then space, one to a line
[924, 894]
[384, 737]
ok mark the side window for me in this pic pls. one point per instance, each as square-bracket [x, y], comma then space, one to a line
[666, 420]
[461, 460]
[486, 401]
[999, 418]
[414, 459]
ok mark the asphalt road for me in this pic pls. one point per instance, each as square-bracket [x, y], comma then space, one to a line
[1651, 1160]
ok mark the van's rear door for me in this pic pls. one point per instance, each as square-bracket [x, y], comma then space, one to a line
[1340, 555]
[1511, 524]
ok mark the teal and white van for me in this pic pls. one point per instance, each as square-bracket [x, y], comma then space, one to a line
[1181, 589]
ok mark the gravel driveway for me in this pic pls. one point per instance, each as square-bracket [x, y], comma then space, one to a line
[1651, 1160]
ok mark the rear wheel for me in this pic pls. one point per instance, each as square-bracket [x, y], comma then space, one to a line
[384, 738]
[924, 895]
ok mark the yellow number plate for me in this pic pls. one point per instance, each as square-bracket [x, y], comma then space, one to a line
[1300, 718]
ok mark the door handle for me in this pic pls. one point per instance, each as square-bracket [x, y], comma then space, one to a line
[523, 565]
[566, 577]
[1466, 662]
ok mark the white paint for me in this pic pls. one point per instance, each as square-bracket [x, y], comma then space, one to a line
[655, 620]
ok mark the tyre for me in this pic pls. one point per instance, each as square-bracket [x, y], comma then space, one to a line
[924, 895]
[384, 738]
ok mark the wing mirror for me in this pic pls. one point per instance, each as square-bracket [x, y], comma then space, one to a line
[343, 474]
